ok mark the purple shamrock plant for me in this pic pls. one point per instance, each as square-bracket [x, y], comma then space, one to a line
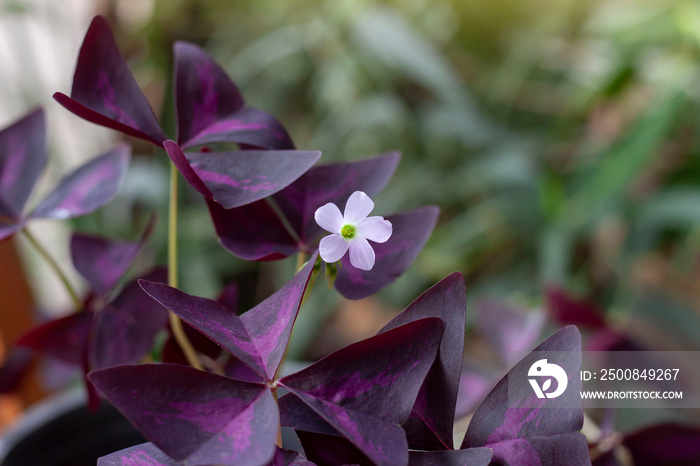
[387, 400]
[23, 155]
[221, 395]
[113, 326]
[209, 109]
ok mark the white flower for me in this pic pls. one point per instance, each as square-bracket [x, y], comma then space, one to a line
[351, 230]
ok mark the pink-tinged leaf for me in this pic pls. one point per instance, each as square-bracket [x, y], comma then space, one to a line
[103, 262]
[567, 310]
[258, 338]
[239, 178]
[89, 187]
[123, 331]
[105, 92]
[570, 449]
[193, 416]
[471, 457]
[664, 444]
[349, 389]
[514, 413]
[252, 232]
[249, 127]
[432, 419]
[62, 338]
[145, 454]
[411, 231]
[507, 329]
[22, 157]
[14, 367]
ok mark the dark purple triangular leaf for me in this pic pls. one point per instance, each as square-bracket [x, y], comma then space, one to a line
[89, 187]
[334, 183]
[183, 166]
[289, 458]
[509, 413]
[103, 262]
[270, 322]
[258, 338]
[570, 449]
[105, 92]
[253, 231]
[471, 457]
[62, 338]
[249, 127]
[382, 441]
[664, 444]
[331, 450]
[123, 331]
[411, 230]
[508, 330]
[22, 157]
[567, 310]
[239, 178]
[222, 325]
[363, 376]
[204, 94]
[297, 414]
[145, 454]
[13, 368]
[435, 406]
[194, 416]
[364, 390]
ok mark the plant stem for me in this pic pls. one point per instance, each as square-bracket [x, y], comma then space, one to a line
[54, 265]
[301, 260]
[278, 442]
[175, 322]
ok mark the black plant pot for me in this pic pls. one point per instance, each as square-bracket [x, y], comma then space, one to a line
[63, 432]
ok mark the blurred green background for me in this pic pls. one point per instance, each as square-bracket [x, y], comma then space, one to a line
[559, 138]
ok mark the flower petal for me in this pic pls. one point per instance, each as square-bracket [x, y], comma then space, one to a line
[358, 207]
[329, 218]
[332, 248]
[361, 254]
[375, 229]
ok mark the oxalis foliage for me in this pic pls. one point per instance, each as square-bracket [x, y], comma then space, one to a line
[387, 400]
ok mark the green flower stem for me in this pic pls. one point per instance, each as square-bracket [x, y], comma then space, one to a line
[175, 322]
[54, 265]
